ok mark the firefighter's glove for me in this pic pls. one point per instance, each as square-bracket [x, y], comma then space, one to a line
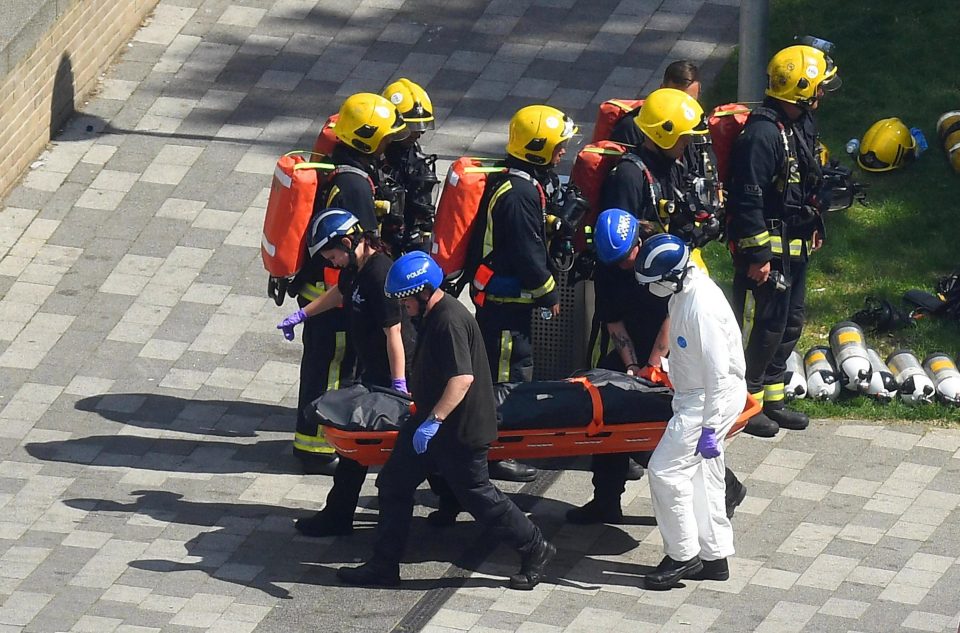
[707, 444]
[287, 324]
[424, 433]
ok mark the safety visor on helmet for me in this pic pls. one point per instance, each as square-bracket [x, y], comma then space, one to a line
[831, 78]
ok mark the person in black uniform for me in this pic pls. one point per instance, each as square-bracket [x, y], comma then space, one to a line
[405, 163]
[681, 75]
[774, 224]
[636, 193]
[509, 242]
[379, 330]
[450, 432]
[367, 124]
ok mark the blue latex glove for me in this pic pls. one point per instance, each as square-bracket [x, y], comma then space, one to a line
[287, 324]
[400, 384]
[424, 433]
[707, 444]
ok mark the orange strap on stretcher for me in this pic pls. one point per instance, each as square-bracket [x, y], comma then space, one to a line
[596, 423]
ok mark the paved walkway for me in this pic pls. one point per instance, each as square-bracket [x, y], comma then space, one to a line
[146, 399]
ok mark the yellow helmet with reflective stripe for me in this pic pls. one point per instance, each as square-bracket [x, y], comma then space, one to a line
[667, 114]
[536, 131]
[366, 119]
[797, 72]
[413, 103]
[886, 146]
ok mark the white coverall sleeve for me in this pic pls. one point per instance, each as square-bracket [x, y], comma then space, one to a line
[714, 366]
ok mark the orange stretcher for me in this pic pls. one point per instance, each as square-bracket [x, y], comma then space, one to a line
[372, 448]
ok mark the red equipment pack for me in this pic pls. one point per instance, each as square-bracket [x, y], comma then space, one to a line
[725, 123]
[327, 138]
[590, 169]
[457, 210]
[610, 113]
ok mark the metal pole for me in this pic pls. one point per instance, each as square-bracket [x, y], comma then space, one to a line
[751, 73]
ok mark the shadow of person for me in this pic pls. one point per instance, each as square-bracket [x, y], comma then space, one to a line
[225, 418]
[62, 105]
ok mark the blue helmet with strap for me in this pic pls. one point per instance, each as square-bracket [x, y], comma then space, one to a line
[328, 226]
[615, 235]
[663, 257]
[412, 273]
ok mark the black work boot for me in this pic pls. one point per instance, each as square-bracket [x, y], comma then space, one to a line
[595, 512]
[733, 496]
[443, 517]
[787, 419]
[532, 565]
[371, 574]
[669, 572]
[320, 525]
[634, 471]
[511, 470]
[713, 570]
[761, 426]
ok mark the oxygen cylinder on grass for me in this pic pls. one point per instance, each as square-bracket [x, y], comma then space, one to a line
[823, 382]
[796, 381]
[914, 386]
[943, 372]
[850, 353]
[883, 387]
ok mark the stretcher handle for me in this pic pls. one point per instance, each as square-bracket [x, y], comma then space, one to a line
[596, 423]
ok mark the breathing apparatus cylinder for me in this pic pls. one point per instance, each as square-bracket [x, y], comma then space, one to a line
[850, 352]
[915, 387]
[943, 372]
[948, 130]
[796, 381]
[882, 386]
[823, 381]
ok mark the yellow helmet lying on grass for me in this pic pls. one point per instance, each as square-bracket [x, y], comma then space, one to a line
[948, 129]
[668, 114]
[366, 120]
[887, 145]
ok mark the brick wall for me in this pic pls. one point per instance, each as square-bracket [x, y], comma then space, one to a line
[60, 70]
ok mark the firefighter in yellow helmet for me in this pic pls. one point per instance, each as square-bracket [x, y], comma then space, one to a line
[408, 227]
[514, 277]
[774, 222]
[367, 123]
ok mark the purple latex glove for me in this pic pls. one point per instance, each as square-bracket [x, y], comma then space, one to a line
[424, 433]
[287, 324]
[707, 444]
[400, 384]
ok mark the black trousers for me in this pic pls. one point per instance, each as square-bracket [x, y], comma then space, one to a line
[465, 471]
[328, 362]
[506, 337]
[771, 321]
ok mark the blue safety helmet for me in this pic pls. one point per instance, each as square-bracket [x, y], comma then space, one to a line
[615, 235]
[663, 257]
[412, 273]
[328, 225]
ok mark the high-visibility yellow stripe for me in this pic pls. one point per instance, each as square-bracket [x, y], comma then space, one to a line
[488, 234]
[312, 444]
[311, 292]
[547, 286]
[334, 192]
[506, 349]
[776, 246]
[333, 374]
[749, 314]
[773, 393]
[758, 397]
[754, 241]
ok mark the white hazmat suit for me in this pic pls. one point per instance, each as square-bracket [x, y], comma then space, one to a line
[707, 370]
